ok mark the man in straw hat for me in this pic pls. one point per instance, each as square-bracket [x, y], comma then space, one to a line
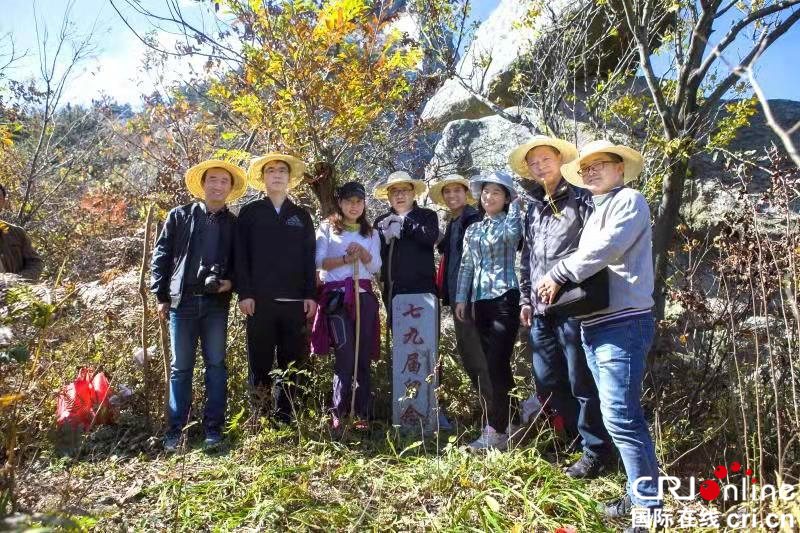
[414, 229]
[616, 339]
[408, 235]
[275, 277]
[553, 225]
[453, 193]
[191, 278]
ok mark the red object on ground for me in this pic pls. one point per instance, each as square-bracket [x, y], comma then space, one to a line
[566, 529]
[84, 402]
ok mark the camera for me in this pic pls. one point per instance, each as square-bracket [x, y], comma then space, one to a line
[210, 277]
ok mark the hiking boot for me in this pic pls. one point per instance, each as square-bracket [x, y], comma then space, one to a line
[587, 467]
[490, 439]
[213, 439]
[619, 508]
[171, 441]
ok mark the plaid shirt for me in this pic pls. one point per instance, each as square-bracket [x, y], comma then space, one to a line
[487, 264]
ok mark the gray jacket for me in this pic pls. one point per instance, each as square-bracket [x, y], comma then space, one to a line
[617, 235]
[552, 231]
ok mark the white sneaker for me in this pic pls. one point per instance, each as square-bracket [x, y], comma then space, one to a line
[490, 439]
[531, 408]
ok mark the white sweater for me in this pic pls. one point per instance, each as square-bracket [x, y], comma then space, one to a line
[329, 244]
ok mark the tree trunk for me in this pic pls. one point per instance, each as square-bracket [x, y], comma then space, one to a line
[664, 229]
[323, 183]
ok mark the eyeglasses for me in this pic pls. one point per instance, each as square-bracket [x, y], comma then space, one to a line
[593, 168]
[400, 192]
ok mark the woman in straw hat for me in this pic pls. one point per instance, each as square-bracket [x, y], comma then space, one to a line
[487, 281]
[276, 276]
[553, 225]
[191, 279]
[408, 234]
[616, 339]
[348, 245]
[453, 193]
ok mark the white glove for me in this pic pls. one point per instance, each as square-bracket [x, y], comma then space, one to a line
[391, 227]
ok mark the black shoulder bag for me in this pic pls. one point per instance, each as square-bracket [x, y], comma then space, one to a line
[577, 299]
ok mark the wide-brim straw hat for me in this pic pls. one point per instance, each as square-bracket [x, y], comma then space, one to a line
[631, 159]
[500, 178]
[194, 179]
[435, 190]
[296, 170]
[398, 178]
[517, 162]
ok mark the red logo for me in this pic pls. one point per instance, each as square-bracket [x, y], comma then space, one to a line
[709, 489]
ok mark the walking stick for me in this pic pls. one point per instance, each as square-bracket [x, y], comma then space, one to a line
[354, 385]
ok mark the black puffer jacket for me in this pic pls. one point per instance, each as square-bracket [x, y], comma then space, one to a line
[553, 229]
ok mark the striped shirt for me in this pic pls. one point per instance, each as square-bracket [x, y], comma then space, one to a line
[488, 259]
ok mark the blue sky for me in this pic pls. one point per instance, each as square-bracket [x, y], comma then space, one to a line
[114, 67]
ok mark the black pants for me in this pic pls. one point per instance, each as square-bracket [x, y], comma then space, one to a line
[564, 380]
[275, 327]
[497, 321]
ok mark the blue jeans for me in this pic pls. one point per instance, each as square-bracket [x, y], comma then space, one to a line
[203, 318]
[616, 355]
[563, 378]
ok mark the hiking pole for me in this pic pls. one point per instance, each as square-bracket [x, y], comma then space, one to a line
[354, 385]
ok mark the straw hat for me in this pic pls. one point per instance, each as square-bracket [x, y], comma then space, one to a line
[631, 159]
[435, 190]
[500, 178]
[296, 170]
[194, 178]
[398, 178]
[517, 162]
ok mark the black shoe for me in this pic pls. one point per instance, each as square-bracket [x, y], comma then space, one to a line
[171, 441]
[587, 467]
[620, 508]
[213, 440]
[636, 529]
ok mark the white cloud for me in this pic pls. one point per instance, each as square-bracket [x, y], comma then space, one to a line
[120, 74]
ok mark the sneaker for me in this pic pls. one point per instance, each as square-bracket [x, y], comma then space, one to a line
[213, 439]
[531, 408]
[361, 425]
[336, 422]
[171, 441]
[619, 508]
[490, 439]
[515, 434]
[587, 467]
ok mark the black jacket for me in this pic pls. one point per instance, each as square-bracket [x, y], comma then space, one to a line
[275, 252]
[469, 216]
[173, 250]
[550, 237]
[412, 259]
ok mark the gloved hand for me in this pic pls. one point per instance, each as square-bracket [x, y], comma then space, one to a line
[391, 227]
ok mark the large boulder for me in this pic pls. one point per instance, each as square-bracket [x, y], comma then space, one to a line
[486, 66]
[714, 193]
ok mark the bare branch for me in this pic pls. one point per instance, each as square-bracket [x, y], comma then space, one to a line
[730, 37]
[765, 42]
